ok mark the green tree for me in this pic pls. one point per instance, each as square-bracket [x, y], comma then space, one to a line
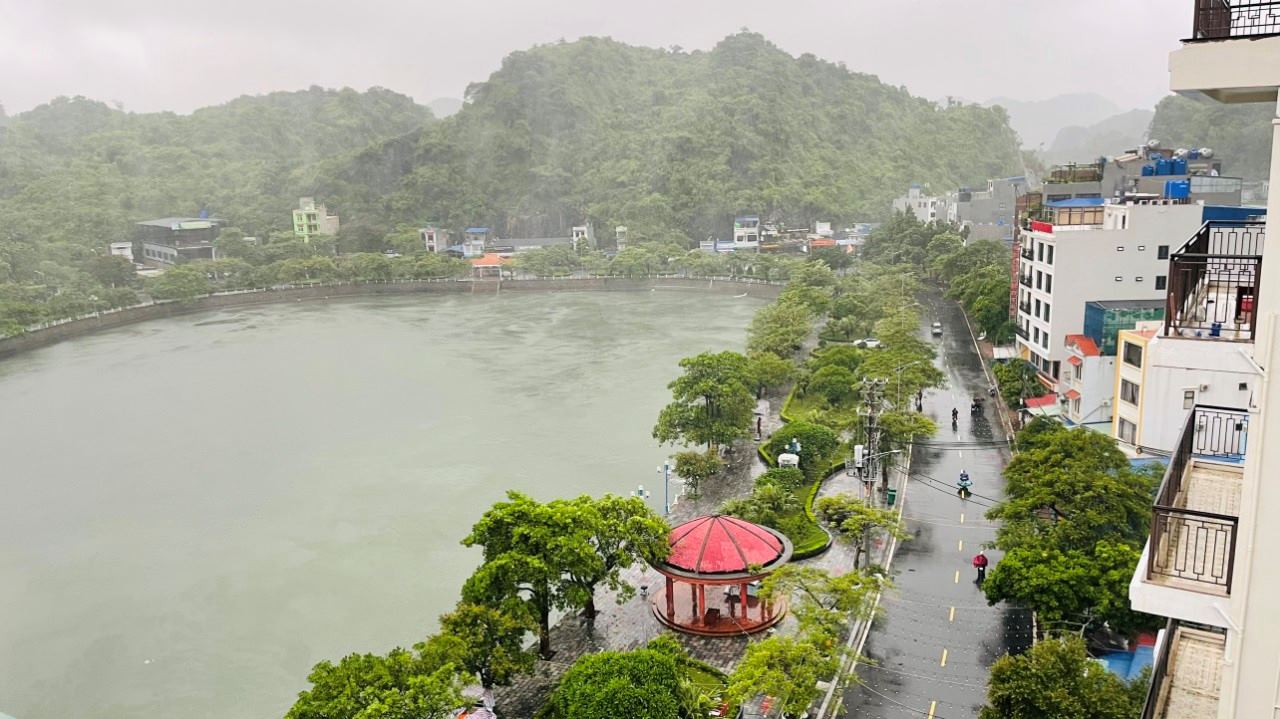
[184, 282]
[768, 370]
[786, 668]
[1057, 678]
[695, 468]
[612, 533]
[779, 328]
[370, 686]
[854, 522]
[712, 403]
[818, 445]
[1018, 381]
[834, 383]
[788, 478]
[607, 685]
[113, 271]
[822, 603]
[491, 642]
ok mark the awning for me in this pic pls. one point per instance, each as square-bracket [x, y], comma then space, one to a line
[1004, 353]
[1046, 406]
[1072, 394]
[1075, 360]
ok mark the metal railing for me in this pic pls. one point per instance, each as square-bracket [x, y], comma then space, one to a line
[1024, 280]
[1027, 254]
[1225, 19]
[1021, 331]
[1072, 172]
[1190, 544]
[1026, 308]
[1214, 280]
[1159, 673]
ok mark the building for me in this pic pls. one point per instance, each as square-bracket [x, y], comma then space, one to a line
[1087, 382]
[434, 239]
[1084, 250]
[1208, 565]
[173, 240]
[989, 214]
[583, 238]
[620, 237]
[121, 249]
[923, 207]
[311, 219]
[746, 232]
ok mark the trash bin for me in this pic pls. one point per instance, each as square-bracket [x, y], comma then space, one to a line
[1215, 329]
[891, 497]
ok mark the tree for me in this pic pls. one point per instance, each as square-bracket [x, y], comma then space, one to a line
[712, 402]
[1018, 381]
[113, 271]
[527, 546]
[491, 642]
[607, 685]
[823, 603]
[184, 282]
[767, 370]
[788, 478]
[786, 668]
[779, 328]
[1057, 678]
[767, 505]
[854, 521]
[370, 686]
[835, 383]
[818, 445]
[611, 533]
[695, 468]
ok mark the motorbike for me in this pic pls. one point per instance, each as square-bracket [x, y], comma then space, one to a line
[964, 484]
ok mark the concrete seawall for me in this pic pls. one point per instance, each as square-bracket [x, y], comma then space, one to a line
[131, 315]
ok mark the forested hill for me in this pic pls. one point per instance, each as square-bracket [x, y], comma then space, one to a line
[1239, 134]
[76, 171]
[671, 144]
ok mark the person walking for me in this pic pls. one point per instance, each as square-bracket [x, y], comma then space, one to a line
[980, 563]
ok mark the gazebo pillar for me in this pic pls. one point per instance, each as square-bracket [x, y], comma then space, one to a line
[693, 597]
[671, 599]
[702, 603]
[742, 592]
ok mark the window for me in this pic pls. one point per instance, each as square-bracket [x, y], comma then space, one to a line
[1162, 252]
[1188, 398]
[1048, 283]
[1048, 255]
[1046, 312]
[1161, 282]
[1075, 406]
[1040, 252]
[1079, 373]
[1119, 278]
[1244, 386]
[1119, 248]
[1128, 431]
[1035, 333]
[1056, 364]
[1039, 279]
[1128, 392]
[1037, 308]
[1132, 354]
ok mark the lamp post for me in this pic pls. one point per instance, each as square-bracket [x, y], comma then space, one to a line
[641, 492]
[665, 471]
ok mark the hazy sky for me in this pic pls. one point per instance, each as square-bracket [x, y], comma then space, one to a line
[183, 54]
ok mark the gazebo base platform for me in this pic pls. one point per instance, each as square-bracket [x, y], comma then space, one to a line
[722, 617]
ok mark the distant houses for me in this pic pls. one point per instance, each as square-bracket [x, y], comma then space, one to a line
[311, 219]
[172, 240]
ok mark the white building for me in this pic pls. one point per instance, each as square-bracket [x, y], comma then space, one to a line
[434, 239]
[584, 238]
[922, 206]
[620, 237]
[1085, 250]
[1087, 382]
[1209, 558]
[746, 232]
[311, 219]
[122, 249]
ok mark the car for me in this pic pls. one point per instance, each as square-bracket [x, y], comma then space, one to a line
[937, 329]
[869, 343]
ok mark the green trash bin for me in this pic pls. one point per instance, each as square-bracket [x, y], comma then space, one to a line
[891, 497]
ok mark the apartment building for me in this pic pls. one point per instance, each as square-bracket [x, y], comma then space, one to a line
[746, 232]
[311, 219]
[923, 207]
[173, 240]
[1208, 565]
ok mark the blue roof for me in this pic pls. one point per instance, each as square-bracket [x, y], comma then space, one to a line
[1077, 202]
[457, 248]
[477, 230]
[1230, 213]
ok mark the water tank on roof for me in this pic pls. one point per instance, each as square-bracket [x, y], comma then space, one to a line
[1179, 165]
[1177, 189]
[1148, 170]
[1163, 167]
[1206, 152]
[1153, 143]
[1180, 152]
[1194, 154]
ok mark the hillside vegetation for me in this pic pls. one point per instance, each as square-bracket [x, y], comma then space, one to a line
[1239, 134]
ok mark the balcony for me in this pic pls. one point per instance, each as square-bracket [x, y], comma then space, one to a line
[1214, 279]
[1186, 680]
[1021, 331]
[1072, 172]
[1024, 280]
[1194, 528]
[1025, 308]
[1027, 254]
[1228, 19]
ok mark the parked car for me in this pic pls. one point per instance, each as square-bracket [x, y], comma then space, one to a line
[937, 329]
[869, 343]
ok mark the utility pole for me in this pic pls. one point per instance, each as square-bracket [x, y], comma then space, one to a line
[873, 439]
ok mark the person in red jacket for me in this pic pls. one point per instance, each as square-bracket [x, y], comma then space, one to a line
[980, 562]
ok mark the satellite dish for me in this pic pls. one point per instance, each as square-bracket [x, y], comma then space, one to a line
[1153, 144]
[1180, 152]
[1206, 152]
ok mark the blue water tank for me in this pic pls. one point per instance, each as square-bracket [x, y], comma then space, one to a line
[1179, 166]
[1148, 170]
[1177, 189]
[1163, 167]
[1194, 154]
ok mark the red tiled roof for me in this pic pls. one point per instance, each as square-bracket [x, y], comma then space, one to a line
[1075, 360]
[826, 242]
[1072, 394]
[719, 544]
[490, 259]
[1085, 344]
[1045, 401]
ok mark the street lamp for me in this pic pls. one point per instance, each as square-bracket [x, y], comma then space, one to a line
[665, 471]
[641, 492]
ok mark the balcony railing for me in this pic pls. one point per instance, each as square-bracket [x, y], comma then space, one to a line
[1226, 19]
[1025, 308]
[1024, 280]
[1091, 172]
[1187, 544]
[1181, 683]
[1021, 331]
[1027, 254]
[1213, 282]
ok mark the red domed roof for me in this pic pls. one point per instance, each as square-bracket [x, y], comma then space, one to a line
[719, 544]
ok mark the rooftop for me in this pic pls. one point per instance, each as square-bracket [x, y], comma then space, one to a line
[1085, 344]
[1127, 304]
[720, 544]
[169, 222]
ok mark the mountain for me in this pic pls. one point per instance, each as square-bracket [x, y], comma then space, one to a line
[1239, 134]
[443, 107]
[671, 144]
[1108, 137]
[1037, 122]
[75, 170]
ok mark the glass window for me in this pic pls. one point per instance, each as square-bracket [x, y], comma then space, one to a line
[1162, 252]
[1139, 278]
[1075, 406]
[1128, 431]
[1188, 398]
[1039, 279]
[1037, 308]
[1132, 354]
[1128, 392]
[1046, 312]
[1040, 251]
[1161, 282]
[1048, 283]
[1048, 255]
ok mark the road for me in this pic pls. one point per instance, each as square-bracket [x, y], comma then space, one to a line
[930, 651]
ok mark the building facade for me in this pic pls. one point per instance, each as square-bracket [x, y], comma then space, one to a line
[923, 207]
[1087, 382]
[173, 240]
[311, 219]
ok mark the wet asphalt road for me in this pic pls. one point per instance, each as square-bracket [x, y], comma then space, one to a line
[930, 651]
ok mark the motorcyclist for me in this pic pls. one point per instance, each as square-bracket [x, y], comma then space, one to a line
[964, 483]
[955, 414]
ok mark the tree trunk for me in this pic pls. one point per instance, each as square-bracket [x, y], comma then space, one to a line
[589, 609]
[544, 635]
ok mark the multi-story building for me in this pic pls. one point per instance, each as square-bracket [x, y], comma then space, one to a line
[746, 232]
[1108, 252]
[584, 237]
[1208, 565]
[172, 240]
[989, 214]
[121, 249]
[915, 202]
[311, 219]
[620, 237]
[1086, 382]
[434, 239]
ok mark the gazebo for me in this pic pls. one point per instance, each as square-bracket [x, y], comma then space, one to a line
[721, 560]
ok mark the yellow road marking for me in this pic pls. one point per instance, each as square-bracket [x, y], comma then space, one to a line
[962, 517]
[957, 576]
[960, 546]
[952, 617]
[944, 658]
[933, 706]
